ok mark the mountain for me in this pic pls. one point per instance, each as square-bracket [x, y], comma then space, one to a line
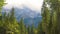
[30, 16]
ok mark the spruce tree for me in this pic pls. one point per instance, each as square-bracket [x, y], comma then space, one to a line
[22, 27]
[11, 23]
[40, 31]
[32, 29]
[45, 17]
[1, 4]
[55, 7]
[29, 29]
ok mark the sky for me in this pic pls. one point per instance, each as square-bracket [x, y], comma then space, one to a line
[33, 4]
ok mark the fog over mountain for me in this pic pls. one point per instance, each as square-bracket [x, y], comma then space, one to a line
[30, 16]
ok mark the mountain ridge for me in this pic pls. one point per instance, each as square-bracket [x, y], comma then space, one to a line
[28, 15]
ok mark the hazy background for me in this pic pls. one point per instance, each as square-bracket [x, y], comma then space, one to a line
[32, 4]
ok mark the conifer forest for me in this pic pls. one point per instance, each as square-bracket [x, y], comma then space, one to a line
[50, 23]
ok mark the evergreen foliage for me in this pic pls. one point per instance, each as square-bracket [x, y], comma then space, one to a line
[50, 23]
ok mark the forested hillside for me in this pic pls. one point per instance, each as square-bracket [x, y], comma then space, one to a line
[50, 23]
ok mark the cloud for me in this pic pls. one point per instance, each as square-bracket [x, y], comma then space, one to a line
[33, 4]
